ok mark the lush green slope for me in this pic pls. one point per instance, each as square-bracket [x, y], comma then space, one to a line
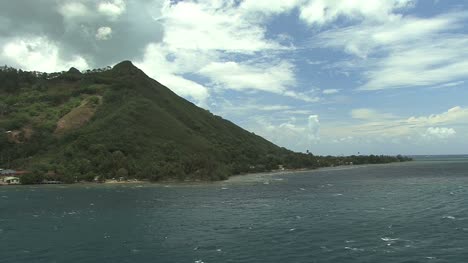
[120, 123]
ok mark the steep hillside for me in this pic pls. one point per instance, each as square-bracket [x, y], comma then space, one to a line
[120, 123]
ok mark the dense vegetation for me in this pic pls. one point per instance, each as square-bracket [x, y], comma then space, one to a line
[118, 122]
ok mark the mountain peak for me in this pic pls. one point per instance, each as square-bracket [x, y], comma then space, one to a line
[125, 63]
[126, 67]
[74, 70]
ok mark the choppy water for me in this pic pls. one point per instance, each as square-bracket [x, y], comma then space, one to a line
[411, 212]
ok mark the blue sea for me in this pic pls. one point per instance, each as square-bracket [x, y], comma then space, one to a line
[402, 212]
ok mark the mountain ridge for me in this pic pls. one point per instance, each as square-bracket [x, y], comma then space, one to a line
[129, 126]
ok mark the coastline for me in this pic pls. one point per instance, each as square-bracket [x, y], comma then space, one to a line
[264, 177]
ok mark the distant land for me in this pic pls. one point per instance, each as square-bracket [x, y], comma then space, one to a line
[119, 123]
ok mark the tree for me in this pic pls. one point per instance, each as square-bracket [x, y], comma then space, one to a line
[31, 178]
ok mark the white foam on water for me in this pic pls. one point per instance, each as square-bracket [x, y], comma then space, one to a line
[354, 249]
[448, 217]
[337, 194]
[224, 188]
[387, 239]
[218, 250]
[302, 189]
[292, 229]
[199, 261]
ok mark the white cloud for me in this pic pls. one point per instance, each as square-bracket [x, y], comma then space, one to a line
[319, 12]
[404, 51]
[157, 65]
[455, 115]
[368, 38]
[104, 33]
[314, 127]
[212, 25]
[185, 87]
[330, 91]
[304, 96]
[270, 7]
[448, 61]
[39, 53]
[384, 125]
[274, 78]
[112, 9]
[73, 9]
[222, 42]
[450, 84]
[250, 107]
[439, 133]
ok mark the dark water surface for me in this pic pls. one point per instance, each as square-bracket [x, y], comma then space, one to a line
[410, 212]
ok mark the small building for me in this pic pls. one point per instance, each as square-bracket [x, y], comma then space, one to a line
[11, 180]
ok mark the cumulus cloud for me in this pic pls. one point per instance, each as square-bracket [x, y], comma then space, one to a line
[212, 25]
[73, 9]
[104, 33]
[112, 9]
[439, 133]
[314, 127]
[223, 43]
[39, 53]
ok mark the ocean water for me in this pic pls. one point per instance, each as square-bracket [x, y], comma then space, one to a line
[408, 212]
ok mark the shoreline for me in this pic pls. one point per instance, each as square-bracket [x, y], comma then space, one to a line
[265, 176]
[241, 178]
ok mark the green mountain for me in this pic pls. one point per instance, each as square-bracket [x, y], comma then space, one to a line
[118, 122]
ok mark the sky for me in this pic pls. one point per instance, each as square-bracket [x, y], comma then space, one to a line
[334, 77]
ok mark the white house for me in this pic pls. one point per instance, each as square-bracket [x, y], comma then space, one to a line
[11, 180]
